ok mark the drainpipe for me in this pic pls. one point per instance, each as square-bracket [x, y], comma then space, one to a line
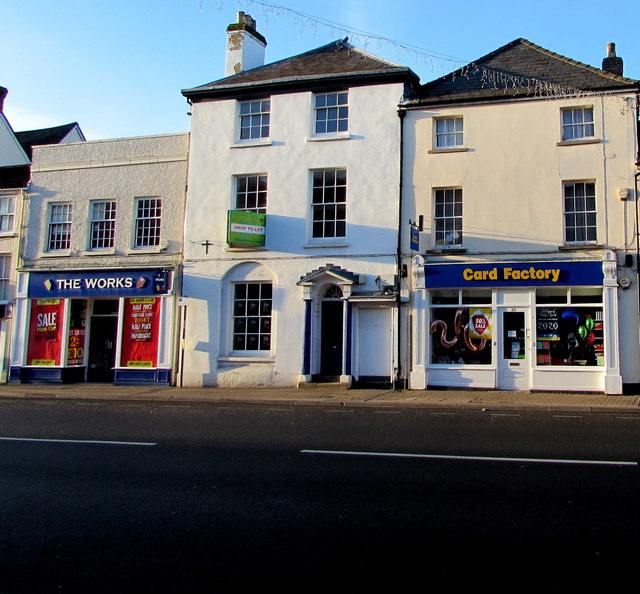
[401, 114]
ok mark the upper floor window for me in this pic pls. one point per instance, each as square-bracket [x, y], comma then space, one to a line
[103, 224]
[448, 217]
[329, 203]
[5, 276]
[251, 193]
[449, 132]
[148, 213]
[254, 119]
[580, 220]
[59, 235]
[332, 112]
[577, 123]
[7, 205]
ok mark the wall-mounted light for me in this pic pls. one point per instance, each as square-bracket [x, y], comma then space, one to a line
[623, 193]
[624, 282]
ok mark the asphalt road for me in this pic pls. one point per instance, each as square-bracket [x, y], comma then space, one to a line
[141, 497]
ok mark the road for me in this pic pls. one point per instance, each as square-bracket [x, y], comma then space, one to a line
[161, 497]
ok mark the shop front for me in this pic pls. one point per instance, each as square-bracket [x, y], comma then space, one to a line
[96, 326]
[534, 325]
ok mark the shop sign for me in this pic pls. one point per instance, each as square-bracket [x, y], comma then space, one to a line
[45, 332]
[140, 332]
[536, 274]
[246, 228]
[113, 283]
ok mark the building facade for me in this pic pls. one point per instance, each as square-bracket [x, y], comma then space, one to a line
[523, 165]
[291, 247]
[100, 265]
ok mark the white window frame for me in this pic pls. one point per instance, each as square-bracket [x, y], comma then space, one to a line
[251, 192]
[574, 125]
[7, 213]
[448, 132]
[328, 208]
[148, 222]
[102, 229]
[582, 218]
[254, 120]
[447, 217]
[331, 110]
[59, 227]
[240, 305]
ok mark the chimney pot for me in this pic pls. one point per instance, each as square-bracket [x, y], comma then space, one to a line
[612, 63]
[3, 94]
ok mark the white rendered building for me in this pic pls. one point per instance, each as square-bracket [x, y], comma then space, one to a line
[291, 229]
[524, 167]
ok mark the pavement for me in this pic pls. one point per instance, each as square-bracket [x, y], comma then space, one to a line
[330, 395]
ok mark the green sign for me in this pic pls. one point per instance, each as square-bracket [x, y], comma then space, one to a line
[246, 228]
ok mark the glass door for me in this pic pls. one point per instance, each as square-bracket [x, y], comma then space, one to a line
[514, 350]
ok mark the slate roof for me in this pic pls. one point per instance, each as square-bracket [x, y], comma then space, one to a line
[338, 61]
[30, 138]
[520, 68]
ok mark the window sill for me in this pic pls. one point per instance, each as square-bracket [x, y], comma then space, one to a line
[451, 250]
[246, 359]
[447, 150]
[96, 252]
[248, 248]
[60, 254]
[326, 244]
[581, 141]
[8, 234]
[324, 137]
[248, 143]
[580, 246]
[145, 250]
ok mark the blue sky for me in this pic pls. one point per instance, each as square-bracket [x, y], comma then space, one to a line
[117, 66]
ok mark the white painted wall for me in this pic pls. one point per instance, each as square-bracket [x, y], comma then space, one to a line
[371, 156]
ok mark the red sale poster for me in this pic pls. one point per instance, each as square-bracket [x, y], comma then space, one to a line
[140, 332]
[45, 332]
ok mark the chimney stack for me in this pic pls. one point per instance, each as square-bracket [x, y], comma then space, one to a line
[612, 63]
[245, 46]
[3, 94]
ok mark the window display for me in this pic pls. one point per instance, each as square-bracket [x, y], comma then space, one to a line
[570, 336]
[461, 335]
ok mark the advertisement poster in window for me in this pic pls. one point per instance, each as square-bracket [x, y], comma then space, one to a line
[140, 332]
[45, 332]
[77, 332]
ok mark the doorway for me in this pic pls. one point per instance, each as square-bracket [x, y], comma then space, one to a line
[514, 350]
[102, 341]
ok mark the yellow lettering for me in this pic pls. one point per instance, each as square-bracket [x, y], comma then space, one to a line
[556, 274]
[467, 274]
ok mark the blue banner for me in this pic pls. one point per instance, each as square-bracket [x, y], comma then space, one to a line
[521, 274]
[108, 283]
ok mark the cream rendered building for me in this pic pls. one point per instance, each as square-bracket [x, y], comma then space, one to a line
[524, 167]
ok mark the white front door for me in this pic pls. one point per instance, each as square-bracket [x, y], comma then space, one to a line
[514, 350]
[375, 342]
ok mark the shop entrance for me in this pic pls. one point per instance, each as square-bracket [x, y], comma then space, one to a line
[102, 342]
[514, 351]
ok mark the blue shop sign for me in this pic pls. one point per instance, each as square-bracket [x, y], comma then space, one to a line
[113, 283]
[521, 274]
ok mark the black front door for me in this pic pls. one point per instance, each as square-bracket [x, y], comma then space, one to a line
[102, 348]
[331, 338]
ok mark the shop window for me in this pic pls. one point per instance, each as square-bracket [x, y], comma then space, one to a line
[461, 335]
[571, 334]
[252, 317]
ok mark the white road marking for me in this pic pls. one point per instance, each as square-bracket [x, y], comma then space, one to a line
[79, 441]
[472, 458]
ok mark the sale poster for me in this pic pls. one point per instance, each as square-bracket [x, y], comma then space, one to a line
[140, 332]
[45, 332]
[480, 323]
[77, 332]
